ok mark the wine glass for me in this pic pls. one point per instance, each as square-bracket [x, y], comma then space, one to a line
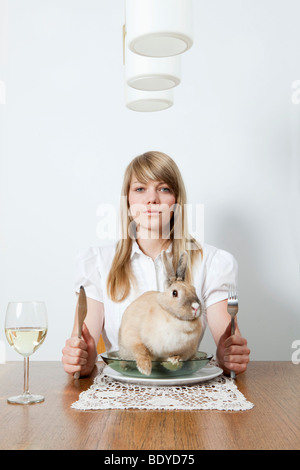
[25, 329]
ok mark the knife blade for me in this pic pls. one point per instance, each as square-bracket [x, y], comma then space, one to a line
[81, 312]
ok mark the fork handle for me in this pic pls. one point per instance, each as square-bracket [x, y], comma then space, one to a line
[232, 325]
[232, 373]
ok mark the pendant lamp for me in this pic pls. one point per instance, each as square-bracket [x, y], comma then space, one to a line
[148, 101]
[151, 73]
[159, 28]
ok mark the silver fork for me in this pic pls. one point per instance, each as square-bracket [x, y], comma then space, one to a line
[232, 309]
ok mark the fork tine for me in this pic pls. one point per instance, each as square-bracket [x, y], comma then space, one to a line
[232, 292]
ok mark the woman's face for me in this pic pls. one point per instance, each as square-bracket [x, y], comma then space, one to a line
[151, 207]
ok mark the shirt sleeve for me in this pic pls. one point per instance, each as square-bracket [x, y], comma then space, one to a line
[220, 274]
[87, 273]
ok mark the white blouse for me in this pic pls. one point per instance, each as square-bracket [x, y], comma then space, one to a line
[212, 276]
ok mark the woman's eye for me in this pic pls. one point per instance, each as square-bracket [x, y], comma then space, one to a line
[165, 190]
[139, 190]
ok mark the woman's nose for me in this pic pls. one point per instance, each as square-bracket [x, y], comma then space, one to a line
[152, 196]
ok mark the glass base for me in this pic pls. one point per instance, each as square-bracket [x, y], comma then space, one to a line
[26, 399]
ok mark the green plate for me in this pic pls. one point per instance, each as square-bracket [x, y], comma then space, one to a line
[160, 369]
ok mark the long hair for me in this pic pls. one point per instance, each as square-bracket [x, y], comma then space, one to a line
[150, 166]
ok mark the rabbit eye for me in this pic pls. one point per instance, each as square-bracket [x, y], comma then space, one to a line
[175, 293]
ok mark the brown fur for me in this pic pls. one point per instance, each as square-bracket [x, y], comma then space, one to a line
[158, 325]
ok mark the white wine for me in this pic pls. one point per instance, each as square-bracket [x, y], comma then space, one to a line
[25, 340]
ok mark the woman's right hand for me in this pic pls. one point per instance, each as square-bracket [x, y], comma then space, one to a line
[80, 354]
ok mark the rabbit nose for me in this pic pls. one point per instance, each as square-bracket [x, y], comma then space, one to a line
[195, 307]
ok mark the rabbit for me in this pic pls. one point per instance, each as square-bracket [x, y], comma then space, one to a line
[162, 325]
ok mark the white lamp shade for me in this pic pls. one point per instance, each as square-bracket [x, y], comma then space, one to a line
[151, 73]
[159, 28]
[148, 101]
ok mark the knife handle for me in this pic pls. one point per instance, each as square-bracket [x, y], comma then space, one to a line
[77, 374]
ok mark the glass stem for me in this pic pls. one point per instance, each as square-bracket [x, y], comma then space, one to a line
[26, 375]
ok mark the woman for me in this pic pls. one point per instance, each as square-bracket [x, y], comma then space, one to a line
[152, 219]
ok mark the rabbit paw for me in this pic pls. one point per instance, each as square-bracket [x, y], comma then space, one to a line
[174, 359]
[144, 365]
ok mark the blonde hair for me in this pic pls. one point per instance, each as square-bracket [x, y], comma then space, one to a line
[150, 166]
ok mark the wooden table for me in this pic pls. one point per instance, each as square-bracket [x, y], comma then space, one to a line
[274, 422]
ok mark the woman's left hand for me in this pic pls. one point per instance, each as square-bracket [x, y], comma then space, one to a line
[232, 352]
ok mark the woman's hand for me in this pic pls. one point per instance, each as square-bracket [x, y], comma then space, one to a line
[80, 354]
[232, 352]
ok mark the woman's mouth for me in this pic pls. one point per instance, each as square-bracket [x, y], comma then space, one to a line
[152, 212]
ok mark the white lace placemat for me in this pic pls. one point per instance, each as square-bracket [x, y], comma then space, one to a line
[106, 393]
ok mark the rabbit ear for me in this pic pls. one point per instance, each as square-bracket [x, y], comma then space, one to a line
[182, 265]
[171, 277]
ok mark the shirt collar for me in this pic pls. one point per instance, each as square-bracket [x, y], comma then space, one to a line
[136, 249]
